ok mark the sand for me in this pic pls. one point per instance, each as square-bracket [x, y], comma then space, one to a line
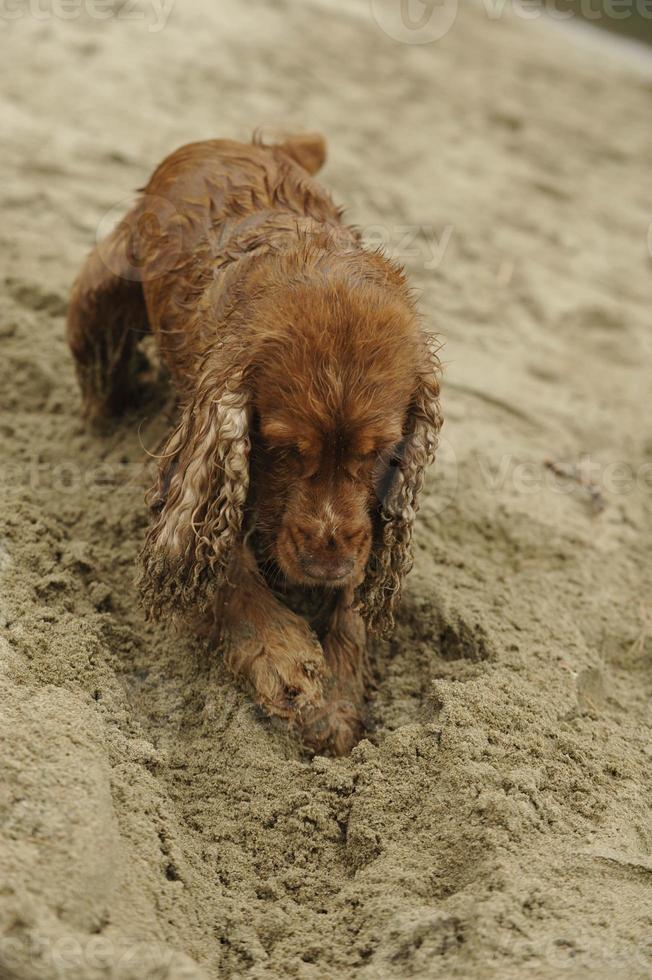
[496, 821]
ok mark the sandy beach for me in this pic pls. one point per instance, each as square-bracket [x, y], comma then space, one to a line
[495, 823]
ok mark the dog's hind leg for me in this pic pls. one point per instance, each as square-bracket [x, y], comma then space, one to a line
[106, 319]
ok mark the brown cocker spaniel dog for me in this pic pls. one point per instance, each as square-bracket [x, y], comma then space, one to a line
[309, 410]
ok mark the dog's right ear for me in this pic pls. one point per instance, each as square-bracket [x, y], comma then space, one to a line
[399, 491]
[198, 501]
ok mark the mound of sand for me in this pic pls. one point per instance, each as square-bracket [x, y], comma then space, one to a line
[496, 822]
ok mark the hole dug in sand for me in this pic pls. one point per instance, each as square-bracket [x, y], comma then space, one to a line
[454, 633]
[433, 639]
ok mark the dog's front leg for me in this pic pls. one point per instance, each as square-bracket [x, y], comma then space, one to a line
[269, 647]
[338, 724]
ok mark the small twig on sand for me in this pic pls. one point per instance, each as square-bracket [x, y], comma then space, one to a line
[646, 631]
[573, 471]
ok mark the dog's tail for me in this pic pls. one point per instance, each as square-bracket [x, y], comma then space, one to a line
[306, 149]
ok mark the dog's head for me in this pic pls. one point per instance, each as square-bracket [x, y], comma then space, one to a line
[315, 435]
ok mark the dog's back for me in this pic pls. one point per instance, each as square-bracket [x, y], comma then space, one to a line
[207, 211]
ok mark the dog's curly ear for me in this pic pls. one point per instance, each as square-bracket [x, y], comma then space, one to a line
[198, 501]
[391, 558]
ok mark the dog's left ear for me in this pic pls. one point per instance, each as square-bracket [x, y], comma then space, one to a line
[198, 500]
[391, 559]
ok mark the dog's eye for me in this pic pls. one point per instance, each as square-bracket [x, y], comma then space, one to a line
[303, 464]
[290, 455]
[364, 459]
[364, 465]
[290, 449]
[361, 464]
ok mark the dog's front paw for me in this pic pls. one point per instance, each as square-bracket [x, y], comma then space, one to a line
[334, 728]
[283, 664]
